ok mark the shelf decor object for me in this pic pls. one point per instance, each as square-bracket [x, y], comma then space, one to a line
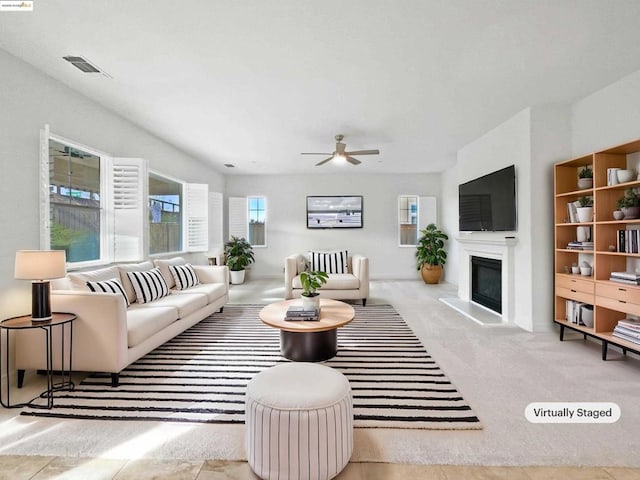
[610, 291]
[40, 266]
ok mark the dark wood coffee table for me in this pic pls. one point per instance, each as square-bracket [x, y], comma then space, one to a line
[308, 341]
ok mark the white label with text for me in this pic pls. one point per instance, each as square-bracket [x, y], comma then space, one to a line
[572, 412]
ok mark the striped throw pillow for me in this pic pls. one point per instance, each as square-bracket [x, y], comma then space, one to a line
[148, 285]
[184, 275]
[108, 286]
[329, 262]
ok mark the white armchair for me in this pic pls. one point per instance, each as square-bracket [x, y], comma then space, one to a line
[353, 285]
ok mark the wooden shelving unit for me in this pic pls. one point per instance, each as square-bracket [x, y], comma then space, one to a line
[612, 301]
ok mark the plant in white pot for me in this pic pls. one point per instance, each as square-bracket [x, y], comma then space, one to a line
[585, 178]
[239, 254]
[630, 204]
[585, 210]
[312, 281]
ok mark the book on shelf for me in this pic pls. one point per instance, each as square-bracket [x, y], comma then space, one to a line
[630, 323]
[625, 281]
[580, 245]
[572, 211]
[628, 241]
[574, 312]
[626, 275]
[627, 331]
[624, 336]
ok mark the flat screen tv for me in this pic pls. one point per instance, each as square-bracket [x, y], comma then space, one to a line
[344, 211]
[488, 203]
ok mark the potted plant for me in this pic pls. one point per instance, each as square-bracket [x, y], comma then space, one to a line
[239, 254]
[630, 204]
[618, 214]
[312, 281]
[585, 210]
[585, 178]
[430, 254]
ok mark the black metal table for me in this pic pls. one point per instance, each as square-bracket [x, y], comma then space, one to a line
[58, 320]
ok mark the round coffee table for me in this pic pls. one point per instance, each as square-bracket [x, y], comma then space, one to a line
[308, 341]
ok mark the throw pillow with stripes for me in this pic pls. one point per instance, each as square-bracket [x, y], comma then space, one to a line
[184, 275]
[329, 262]
[148, 285]
[108, 286]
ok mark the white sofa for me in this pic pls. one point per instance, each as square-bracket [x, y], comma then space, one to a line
[107, 335]
[353, 285]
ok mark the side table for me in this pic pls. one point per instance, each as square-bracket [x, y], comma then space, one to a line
[58, 320]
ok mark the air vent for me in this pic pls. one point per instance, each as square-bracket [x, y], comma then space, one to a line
[85, 65]
[229, 165]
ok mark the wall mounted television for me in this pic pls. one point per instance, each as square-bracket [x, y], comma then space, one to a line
[488, 203]
[341, 211]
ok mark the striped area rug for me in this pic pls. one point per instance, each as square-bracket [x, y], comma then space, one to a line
[201, 375]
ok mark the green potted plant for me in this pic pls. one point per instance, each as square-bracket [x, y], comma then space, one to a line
[239, 254]
[618, 214]
[630, 204]
[585, 210]
[585, 178]
[430, 254]
[312, 281]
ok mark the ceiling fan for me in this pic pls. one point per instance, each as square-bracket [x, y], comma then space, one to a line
[341, 155]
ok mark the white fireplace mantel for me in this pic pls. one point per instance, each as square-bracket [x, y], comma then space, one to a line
[498, 248]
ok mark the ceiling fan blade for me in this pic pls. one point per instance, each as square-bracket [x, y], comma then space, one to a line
[315, 153]
[363, 152]
[324, 161]
[353, 161]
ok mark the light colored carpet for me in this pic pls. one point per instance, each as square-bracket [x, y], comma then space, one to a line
[499, 371]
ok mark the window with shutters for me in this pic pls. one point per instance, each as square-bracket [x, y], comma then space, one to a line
[165, 214]
[414, 214]
[248, 219]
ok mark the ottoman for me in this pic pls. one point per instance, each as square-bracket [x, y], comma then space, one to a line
[299, 420]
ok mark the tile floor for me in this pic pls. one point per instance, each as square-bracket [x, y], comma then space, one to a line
[41, 468]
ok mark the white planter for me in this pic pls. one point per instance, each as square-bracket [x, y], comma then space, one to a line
[237, 277]
[310, 302]
[585, 183]
[618, 214]
[585, 214]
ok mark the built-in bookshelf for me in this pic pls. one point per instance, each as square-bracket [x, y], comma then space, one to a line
[605, 244]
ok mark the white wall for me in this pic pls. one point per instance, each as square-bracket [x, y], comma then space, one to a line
[378, 239]
[29, 99]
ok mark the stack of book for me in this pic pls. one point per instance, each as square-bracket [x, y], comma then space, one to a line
[296, 313]
[628, 329]
[628, 241]
[580, 246]
[625, 277]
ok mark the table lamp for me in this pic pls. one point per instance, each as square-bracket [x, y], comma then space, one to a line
[40, 266]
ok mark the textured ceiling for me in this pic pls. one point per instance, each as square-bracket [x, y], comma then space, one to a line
[256, 82]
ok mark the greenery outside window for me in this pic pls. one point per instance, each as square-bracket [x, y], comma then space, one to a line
[75, 202]
[165, 214]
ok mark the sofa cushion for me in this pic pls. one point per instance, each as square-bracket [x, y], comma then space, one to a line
[185, 304]
[164, 263]
[126, 283]
[213, 291]
[109, 286]
[144, 321]
[79, 279]
[184, 276]
[329, 262]
[149, 285]
[336, 281]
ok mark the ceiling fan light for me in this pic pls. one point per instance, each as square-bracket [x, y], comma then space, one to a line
[339, 159]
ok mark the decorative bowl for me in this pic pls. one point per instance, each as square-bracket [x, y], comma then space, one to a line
[586, 271]
[625, 176]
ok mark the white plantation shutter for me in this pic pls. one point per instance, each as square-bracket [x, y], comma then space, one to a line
[128, 188]
[43, 188]
[215, 221]
[427, 212]
[238, 217]
[196, 209]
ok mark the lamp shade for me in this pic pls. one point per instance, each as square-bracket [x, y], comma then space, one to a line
[40, 264]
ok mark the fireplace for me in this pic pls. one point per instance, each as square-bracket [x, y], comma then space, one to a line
[486, 282]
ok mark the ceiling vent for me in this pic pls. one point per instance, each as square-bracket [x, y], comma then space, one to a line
[229, 165]
[85, 65]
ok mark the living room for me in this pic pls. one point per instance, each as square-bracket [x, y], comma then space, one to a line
[581, 115]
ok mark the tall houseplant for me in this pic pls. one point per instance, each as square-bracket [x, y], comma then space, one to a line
[430, 253]
[239, 255]
[312, 281]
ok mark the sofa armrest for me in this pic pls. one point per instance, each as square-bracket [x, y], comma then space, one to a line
[99, 333]
[290, 272]
[212, 274]
[360, 267]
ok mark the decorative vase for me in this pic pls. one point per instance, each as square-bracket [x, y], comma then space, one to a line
[583, 234]
[585, 214]
[431, 273]
[237, 277]
[618, 214]
[585, 183]
[309, 303]
[625, 176]
[631, 212]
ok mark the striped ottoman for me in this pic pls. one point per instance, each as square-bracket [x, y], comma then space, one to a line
[299, 422]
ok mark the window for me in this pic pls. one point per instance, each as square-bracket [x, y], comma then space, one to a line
[75, 202]
[414, 214]
[165, 214]
[248, 219]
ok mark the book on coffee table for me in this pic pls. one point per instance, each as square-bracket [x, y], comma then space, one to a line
[296, 313]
